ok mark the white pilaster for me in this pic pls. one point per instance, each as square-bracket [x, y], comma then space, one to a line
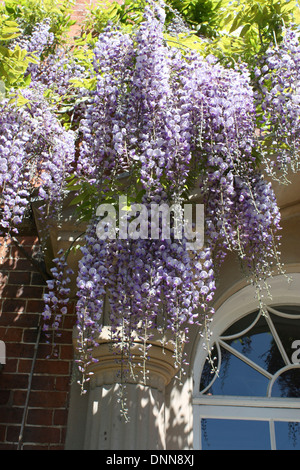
[106, 428]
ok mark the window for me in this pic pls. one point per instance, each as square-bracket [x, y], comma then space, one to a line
[252, 402]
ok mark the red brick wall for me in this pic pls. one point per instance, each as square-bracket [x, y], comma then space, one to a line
[21, 290]
[80, 10]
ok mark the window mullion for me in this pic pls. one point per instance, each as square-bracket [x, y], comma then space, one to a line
[246, 360]
[278, 341]
[272, 434]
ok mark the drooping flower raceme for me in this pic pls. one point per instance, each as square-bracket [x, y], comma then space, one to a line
[57, 297]
[36, 154]
[168, 118]
[51, 69]
[103, 129]
[137, 286]
[40, 39]
[56, 71]
[278, 94]
[36, 43]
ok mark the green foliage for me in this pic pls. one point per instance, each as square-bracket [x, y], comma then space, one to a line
[203, 16]
[128, 14]
[19, 18]
[13, 61]
[99, 16]
[28, 13]
[234, 31]
[8, 29]
[252, 25]
[13, 64]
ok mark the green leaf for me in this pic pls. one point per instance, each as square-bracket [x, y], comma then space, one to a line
[77, 200]
[245, 30]
[140, 195]
[228, 19]
[27, 80]
[22, 101]
[235, 25]
[8, 36]
[88, 83]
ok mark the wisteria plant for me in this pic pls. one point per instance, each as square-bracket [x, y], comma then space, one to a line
[167, 121]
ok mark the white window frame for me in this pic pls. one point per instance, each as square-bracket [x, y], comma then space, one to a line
[236, 407]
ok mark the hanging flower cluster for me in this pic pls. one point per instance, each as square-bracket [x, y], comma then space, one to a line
[170, 122]
[243, 216]
[167, 118]
[278, 95]
[51, 69]
[142, 285]
[56, 307]
[39, 40]
[156, 110]
[56, 71]
[36, 154]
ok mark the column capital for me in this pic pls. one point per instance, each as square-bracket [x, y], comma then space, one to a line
[160, 368]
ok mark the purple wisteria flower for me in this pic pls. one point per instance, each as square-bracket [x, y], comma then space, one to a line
[36, 154]
[160, 115]
[278, 95]
[170, 121]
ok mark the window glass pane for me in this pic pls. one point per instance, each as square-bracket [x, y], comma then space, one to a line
[287, 435]
[287, 384]
[233, 434]
[260, 346]
[289, 309]
[241, 325]
[234, 378]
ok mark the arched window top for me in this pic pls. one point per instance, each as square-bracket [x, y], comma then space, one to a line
[257, 356]
[252, 401]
